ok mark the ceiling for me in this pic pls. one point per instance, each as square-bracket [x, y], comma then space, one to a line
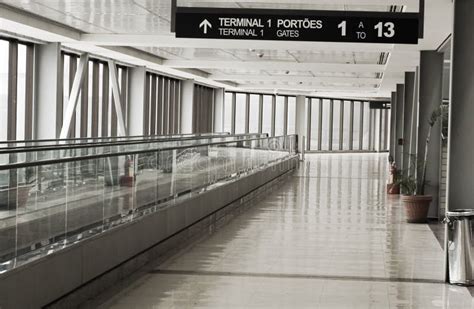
[138, 32]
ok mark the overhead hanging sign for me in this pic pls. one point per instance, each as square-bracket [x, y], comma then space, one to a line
[290, 25]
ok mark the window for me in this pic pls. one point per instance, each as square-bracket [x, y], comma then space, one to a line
[347, 126]
[315, 124]
[367, 126]
[228, 112]
[95, 113]
[203, 118]
[358, 114]
[291, 120]
[4, 57]
[254, 113]
[267, 114]
[16, 100]
[280, 115]
[337, 125]
[326, 122]
[240, 113]
[161, 112]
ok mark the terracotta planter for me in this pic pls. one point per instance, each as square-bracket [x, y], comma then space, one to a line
[393, 188]
[416, 207]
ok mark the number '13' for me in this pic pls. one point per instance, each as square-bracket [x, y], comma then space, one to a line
[389, 28]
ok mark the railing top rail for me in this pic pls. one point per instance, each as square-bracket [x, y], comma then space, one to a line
[125, 153]
[113, 143]
[106, 138]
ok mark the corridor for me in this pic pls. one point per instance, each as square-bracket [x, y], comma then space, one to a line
[328, 237]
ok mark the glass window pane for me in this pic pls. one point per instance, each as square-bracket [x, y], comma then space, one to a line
[347, 123]
[314, 123]
[325, 125]
[254, 113]
[228, 112]
[267, 114]
[291, 115]
[356, 126]
[367, 121]
[21, 93]
[240, 108]
[336, 124]
[3, 88]
[279, 115]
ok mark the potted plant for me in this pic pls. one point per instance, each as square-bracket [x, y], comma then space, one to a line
[416, 202]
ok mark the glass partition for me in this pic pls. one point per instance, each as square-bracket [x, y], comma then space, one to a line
[49, 205]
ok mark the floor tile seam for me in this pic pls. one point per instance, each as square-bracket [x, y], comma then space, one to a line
[293, 276]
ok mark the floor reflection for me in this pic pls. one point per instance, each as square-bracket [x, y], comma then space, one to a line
[329, 237]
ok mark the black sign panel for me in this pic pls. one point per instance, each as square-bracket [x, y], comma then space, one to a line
[288, 25]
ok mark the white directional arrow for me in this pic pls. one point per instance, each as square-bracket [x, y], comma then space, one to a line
[206, 24]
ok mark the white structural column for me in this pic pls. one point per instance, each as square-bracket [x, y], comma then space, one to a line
[219, 94]
[187, 99]
[49, 92]
[74, 96]
[431, 90]
[137, 82]
[301, 121]
[113, 76]
[461, 140]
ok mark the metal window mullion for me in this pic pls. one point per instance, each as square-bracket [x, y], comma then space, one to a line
[165, 105]
[273, 115]
[12, 97]
[213, 111]
[361, 126]
[331, 122]
[247, 113]
[233, 112]
[341, 124]
[381, 129]
[386, 123]
[171, 122]
[84, 103]
[320, 125]
[29, 92]
[146, 107]
[95, 99]
[260, 113]
[351, 126]
[371, 118]
[309, 109]
[285, 116]
[159, 106]
[176, 105]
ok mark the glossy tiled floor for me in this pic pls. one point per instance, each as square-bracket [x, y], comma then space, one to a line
[328, 238]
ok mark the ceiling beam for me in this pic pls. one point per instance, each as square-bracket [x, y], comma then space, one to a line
[154, 40]
[275, 66]
[293, 78]
[307, 88]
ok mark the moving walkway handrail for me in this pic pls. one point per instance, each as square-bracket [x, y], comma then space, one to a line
[60, 143]
[111, 138]
[97, 145]
[125, 153]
